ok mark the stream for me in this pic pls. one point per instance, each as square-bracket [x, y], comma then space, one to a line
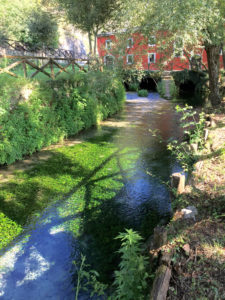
[125, 190]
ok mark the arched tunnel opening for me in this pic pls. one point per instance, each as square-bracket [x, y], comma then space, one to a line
[147, 83]
[187, 89]
[187, 92]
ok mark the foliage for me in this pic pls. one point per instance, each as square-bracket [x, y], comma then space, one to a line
[132, 76]
[90, 16]
[41, 30]
[173, 89]
[41, 113]
[8, 230]
[199, 80]
[13, 16]
[161, 88]
[87, 280]
[131, 278]
[193, 23]
[194, 134]
[133, 87]
[27, 21]
[143, 93]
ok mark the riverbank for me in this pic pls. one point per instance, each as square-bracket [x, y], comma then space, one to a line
[196, 246]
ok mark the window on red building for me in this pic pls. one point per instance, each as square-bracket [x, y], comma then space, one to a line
[151, 58]
[109, 60]
[108, 44]
[130, 43]
[130, 59]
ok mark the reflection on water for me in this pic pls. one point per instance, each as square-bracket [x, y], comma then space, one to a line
[112, 191]
[140, 188]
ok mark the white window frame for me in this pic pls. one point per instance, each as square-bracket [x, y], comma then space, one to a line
[108, 55]
[150, 62]
[132, 43]
[130, 55]
[152, 37]
[110, 44]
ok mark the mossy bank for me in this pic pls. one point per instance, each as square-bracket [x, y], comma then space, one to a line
[34, 114]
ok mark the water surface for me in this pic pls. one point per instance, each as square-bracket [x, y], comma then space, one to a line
[119, 175]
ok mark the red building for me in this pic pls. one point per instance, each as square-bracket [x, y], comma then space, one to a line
[136, 50]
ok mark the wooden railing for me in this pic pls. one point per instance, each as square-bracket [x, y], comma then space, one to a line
[39, 59]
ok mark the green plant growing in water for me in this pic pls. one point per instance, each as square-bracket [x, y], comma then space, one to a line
[88, 280]
[143, 93]
[133, 87]
[131, 278]
[194, 134]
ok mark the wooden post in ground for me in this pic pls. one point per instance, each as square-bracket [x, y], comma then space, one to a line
[178, 182]
[161, 283]
[160, 237]
[24, 69]
[52, 69]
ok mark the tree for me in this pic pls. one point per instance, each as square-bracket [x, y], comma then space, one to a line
[12, 17]
[40, 29]
[91, 16]
[27, 21]
[199, 23]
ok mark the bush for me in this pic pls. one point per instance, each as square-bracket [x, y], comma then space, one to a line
[133, 87]
[143, 93]
[41, 29]
[161, 89]
[37, 114]
[199, 79]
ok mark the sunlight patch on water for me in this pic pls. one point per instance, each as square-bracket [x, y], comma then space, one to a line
[35, 266]
[56, 229]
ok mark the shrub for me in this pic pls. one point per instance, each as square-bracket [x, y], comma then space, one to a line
[40, 29]
[37, 114]
[133, 87]
[161, 89]
[199, 80]
[143, 93]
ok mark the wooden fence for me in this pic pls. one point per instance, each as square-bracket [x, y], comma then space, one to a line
[58, 60]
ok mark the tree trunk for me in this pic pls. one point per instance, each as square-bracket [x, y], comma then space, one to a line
[213, 54]
[90, 43]
[223, 54]
[95, 43]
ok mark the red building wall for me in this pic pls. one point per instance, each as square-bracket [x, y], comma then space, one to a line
[140, 51]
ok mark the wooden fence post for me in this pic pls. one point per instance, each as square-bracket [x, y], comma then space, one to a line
[73, 68]
[52, 69]
[24, 69]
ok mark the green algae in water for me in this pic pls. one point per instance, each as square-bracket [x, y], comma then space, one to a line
[93, 164]
[8, 230]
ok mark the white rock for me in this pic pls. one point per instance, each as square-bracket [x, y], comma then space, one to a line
[189, 212]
